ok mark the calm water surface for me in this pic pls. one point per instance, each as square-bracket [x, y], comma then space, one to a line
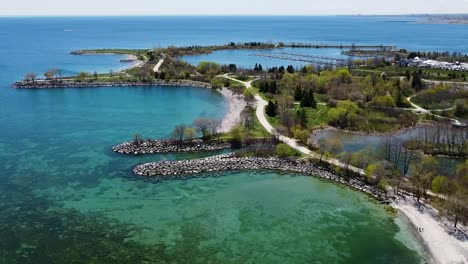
[59, 178]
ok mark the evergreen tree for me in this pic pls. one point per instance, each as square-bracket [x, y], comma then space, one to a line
[298, 94]
[259, 67]
[398, 97]
[270, 109]
[416, 82]
[301, 117]
[308, 100]
[407, 75]
[273, 87]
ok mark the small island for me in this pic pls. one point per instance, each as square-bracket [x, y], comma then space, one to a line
[275, 113]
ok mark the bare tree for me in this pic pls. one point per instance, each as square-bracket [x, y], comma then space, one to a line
[285, 106]
[179, 133]
[203, 125]
[213, 126]
[30, 77]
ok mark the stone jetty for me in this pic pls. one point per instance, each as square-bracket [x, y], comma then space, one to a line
[44, 84]
[168, 146]
[230, 162]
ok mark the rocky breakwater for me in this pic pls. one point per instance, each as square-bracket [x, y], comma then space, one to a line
[168, 146]
[229, 162]
[43, 84]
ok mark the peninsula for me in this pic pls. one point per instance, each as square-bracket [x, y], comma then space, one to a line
[275, 112]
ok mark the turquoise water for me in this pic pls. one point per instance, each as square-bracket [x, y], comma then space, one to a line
[65, 197]
[254, 217]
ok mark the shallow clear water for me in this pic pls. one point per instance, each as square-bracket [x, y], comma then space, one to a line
[55, 152]
[260, 217]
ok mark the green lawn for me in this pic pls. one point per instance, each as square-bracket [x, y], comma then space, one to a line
[317, 116]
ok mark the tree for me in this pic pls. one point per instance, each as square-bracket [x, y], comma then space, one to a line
[442, 185]
[416, 81]
[30, 77]
[203, 125]
[283, 151]
[213, 126]
[379, 171]
[82, 77]
[190, 133]
[346, 158]
[422, 174]
[308, 99]
[344, 76]
[298, 94]
[179, 133]
[302, 135]
[211, 68]
[285, 106]
[301, 117]
[270, 109]
[329, 146]
[457, 205]
[50, 74]
[236, 136]
[344, 114]
[137, 139]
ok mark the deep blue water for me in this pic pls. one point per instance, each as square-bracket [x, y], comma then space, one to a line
[56, 139]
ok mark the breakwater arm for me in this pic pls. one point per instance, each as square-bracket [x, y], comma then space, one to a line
[230, 162]
[169, 146]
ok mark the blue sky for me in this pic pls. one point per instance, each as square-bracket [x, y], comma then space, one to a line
[236, 7]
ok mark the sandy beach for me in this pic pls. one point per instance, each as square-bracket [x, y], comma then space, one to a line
[236, 105]
[136, 62]
[445, 248]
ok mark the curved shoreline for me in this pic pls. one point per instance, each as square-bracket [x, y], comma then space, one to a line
[184, 169]
[45, 84]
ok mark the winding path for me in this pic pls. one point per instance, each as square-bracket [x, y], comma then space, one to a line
[445, 248]
[160, 62]
[260, 112]
[419, 109]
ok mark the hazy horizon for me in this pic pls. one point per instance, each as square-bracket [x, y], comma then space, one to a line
[241, 7]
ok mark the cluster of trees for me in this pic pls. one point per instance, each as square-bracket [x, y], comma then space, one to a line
[398, 168]
[268, 86]
[373, 98]
[207, 128]
[451, 192]
[306, 97]
[441, 140]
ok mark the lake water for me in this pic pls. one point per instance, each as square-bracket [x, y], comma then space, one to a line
[62, 190]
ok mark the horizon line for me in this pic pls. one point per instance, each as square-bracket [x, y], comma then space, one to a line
[227, 15]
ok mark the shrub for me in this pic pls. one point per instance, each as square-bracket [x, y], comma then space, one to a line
[283, 150]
